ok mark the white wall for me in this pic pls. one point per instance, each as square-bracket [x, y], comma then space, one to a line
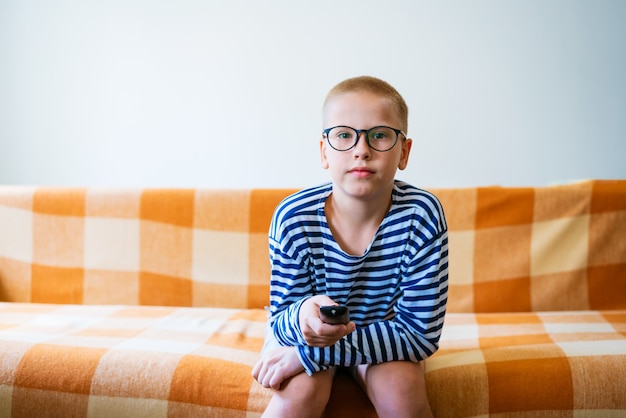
[208, 93]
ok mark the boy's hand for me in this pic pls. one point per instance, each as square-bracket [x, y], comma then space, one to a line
[276, 366]
[316, 333]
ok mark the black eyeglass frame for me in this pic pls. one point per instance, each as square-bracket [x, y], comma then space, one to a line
[367, 137]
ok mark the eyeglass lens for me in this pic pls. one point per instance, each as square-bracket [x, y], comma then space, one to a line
[380, 138]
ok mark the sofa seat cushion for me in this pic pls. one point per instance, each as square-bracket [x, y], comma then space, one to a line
[530, 365]
[128, 361]
[139, 361]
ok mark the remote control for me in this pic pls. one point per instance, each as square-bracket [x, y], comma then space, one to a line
[335, 314]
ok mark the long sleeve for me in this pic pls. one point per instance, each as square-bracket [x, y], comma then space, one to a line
[396, 292]
[412, 334]
[290, 287]
[293, 233]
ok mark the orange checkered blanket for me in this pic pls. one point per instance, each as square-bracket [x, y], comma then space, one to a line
[130, 303]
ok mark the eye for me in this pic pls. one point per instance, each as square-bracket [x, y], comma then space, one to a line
[341, 134]
[380, 134]
[344, 135]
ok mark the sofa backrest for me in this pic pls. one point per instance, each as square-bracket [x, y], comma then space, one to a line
[511, 249]
[559, 247]
[177, 247]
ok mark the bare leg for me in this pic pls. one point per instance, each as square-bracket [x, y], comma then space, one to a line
[301, 396]
[397, 389]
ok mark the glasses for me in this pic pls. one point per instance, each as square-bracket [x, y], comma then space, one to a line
[379, 138]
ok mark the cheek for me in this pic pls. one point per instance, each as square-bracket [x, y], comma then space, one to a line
[330, 161]
[395, 162]
[333, 161]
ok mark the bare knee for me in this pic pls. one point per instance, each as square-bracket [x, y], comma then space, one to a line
[302, 396]
[397, 389]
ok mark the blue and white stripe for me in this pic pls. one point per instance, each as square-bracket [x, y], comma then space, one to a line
[396, 291]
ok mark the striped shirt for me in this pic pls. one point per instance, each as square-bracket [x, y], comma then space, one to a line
[396, 291]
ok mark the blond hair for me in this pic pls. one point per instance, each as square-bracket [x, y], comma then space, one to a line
[376, 86]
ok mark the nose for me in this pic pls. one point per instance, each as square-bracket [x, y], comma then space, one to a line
[362, 148]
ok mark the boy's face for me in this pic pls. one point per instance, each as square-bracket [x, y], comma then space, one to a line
[361, 171]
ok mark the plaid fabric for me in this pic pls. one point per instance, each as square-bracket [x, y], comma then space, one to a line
[551, 364]
[136, 247]
[537, 249]
[511, 249]
[125, 361]
[536, 324]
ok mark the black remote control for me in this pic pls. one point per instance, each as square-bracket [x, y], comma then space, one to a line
[335, 314]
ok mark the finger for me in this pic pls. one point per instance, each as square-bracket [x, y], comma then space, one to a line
[274, 378]
[334, 332]
[276, 381]
[267, 376]
[256, 369]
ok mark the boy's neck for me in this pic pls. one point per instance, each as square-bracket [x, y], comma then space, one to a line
[354, 222]
[351, 210]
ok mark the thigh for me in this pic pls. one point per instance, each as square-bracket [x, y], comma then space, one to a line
[396, 388]
[302, 396]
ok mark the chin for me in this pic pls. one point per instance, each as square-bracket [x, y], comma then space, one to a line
[362, 191]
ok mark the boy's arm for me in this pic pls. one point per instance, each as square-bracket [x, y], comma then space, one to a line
[290, 286]
[297, 321]
[412, 335]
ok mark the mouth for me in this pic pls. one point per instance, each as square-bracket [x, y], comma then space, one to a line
[360, 171]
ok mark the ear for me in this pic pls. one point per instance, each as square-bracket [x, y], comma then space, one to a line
[404, 156]
[323, 158]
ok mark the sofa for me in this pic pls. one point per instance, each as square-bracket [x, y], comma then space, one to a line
[150, 303]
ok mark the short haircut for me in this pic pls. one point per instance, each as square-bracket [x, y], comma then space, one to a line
[376, 86]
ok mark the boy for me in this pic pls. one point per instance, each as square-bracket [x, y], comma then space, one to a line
[367, 241]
